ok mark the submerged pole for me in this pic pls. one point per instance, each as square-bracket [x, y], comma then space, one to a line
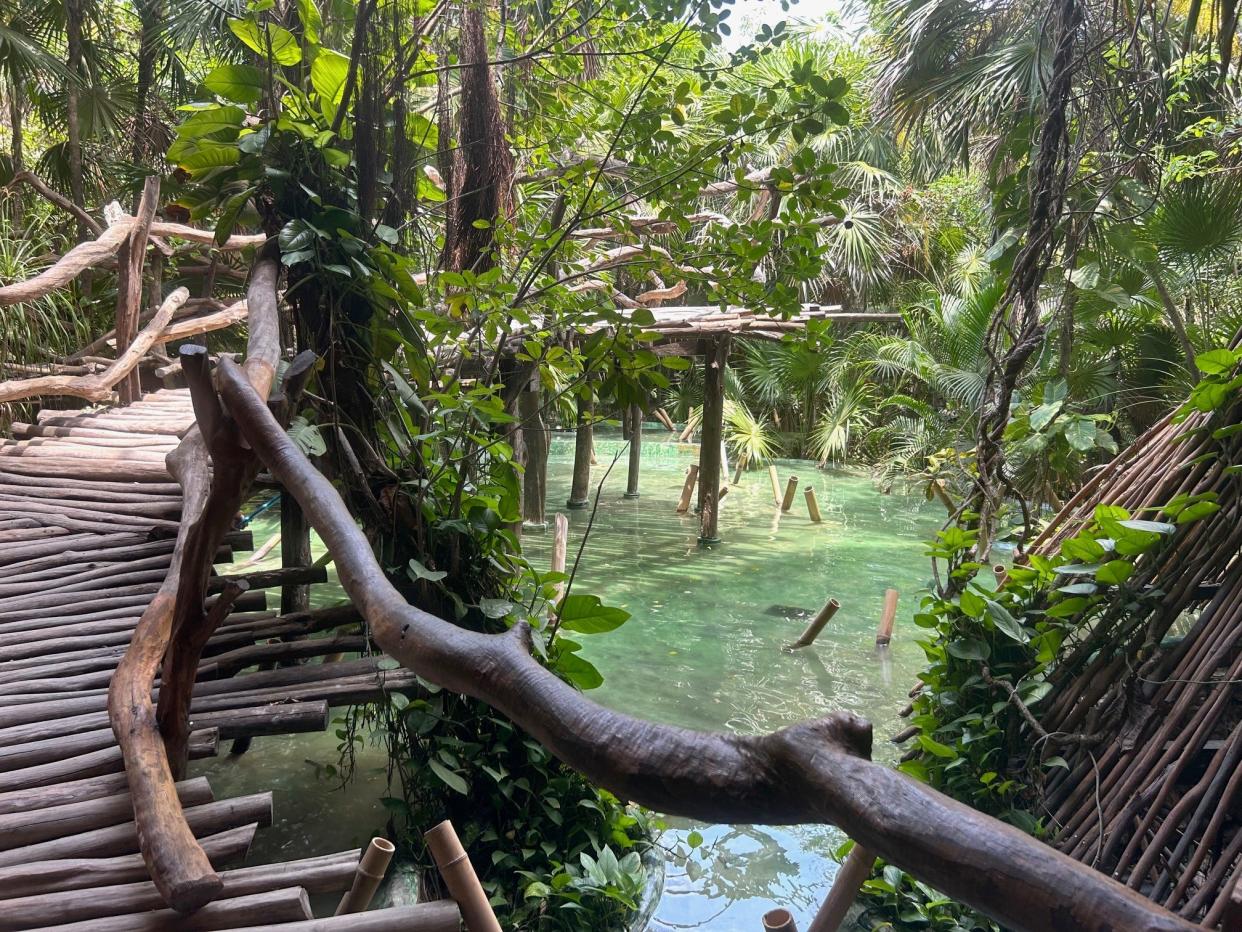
[822, 617]
[779, 920]
[884, 633]
[635, 416]
[295, 550]
[535, 435]
[560, 544]
[776, 484]
[715, 358]
[845, 887]
[790, 488]
[812, 506]
[692, 476]
[584, 456]
[367, 877]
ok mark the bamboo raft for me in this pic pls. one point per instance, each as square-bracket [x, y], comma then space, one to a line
[81, 553]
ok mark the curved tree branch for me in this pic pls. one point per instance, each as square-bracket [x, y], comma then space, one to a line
[816, 771]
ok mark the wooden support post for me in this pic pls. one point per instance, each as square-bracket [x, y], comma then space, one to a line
[692, 476]
[776, 484]
[583, 456]
[822, 617]
[560, 545]
[884, 633]
[739, 469]
[779, 920]
[791, 487]
[130, 260]
[635, 417]
[663, 418]
[845, 887]
[367, 877]
[295, 550]
[937, 488]
[812, 506]
[535, 435]
[715, 358]
[460, 878]
[1001, 574]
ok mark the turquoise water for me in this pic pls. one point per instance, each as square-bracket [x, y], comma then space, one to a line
[702, 650]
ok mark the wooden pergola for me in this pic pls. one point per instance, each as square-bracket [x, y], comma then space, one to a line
[706, 331]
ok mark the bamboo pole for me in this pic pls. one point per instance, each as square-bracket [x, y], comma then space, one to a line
[812, 506]
[884, 633]
[460, 878]
[776, 484]
[560, 544]
[1001, 574]
[822, 617]
[779, 920]
[635, 417]
[692, 476]
[790, 488]
[845, 887]
[367, 877]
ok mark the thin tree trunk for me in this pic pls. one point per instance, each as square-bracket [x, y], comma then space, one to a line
[73, 33]
[1176, 321]
[16, 102]
[150, 13]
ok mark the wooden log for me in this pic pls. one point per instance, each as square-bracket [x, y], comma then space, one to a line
[61, 794]
[535, 439]
[791, 487]
[68, 267]
[845, 886]
[435, 916]
[884, 632]
[130, 261]
[779, 920]
[287, 577]
[56, 821]
[580, 486]
[560, 547]
[812, 506]
[122, 838]
[289, 904]
[716, 357]
[367, 877]
[776, 485]
[635, 414]
[44, 878]
[460, 879]
[74, 487]
[92, 764]
[663, 418]
[295, 551]
[326, 874]
[692, 475]
[822, 617]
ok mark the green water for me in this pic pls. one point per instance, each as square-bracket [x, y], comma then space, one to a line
[703, 650]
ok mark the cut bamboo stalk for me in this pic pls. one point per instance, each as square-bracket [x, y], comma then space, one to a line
[367, 877]
[779, 920]
[938, 489]
[822, 617]
[845, 887]
[776, 484]
[791, 487]
[812, 506]
[692, 477]
[884, 633]
[460, 878]
[1001, 574]
[560, 544]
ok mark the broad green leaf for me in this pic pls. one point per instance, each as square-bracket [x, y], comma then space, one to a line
[1114, 572]
[418, 571]
[242, 84]
[1080, 434]
[579, 671]
[1151, 527]
[1006, 623]
[1068, 608]
[1196, 511]
[284, 47]
[312, 22]
[328, 73]
[1216, 361]
[587, 615]
[450, 779]
[972, 604]
[228, 215]
[196, 155]
[932, 746]
[1042, 416]
[969, 649]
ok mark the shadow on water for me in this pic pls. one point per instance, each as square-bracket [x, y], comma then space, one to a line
[702, 650]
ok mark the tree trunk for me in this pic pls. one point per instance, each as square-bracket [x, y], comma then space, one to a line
[150, 13]
[1176, 321]
[16, 102]
[535, 437]
[295, 550]
[583, 443]
[635, 417]
[73, 33]
[712, 432]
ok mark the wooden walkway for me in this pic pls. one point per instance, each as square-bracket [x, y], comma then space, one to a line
[81, 553]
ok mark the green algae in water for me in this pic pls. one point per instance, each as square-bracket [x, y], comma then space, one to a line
[702, 650]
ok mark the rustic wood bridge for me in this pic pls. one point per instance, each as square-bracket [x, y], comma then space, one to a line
[88, 515]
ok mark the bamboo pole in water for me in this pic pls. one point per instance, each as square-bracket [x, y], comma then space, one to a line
[812, 506]
[779, 920]
[460, 878]
[884, 633]
[692, 477]
[1001, 574]
[560, 544]
[845, 887]
[776, 484]
[817, 624]
[790, 488]
[367, 877]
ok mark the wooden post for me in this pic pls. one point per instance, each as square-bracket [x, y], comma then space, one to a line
[884, 633]
[535, 434]
[812, 506]
[779, 920]
[635, 417]
[1001, 574]
[583, 456]
[687, 490]
[822, 617]
[776, 484]
[560, 545]
[938, 489]
[739, 469]
[367, 877]
[845, 887]
[130, 260]
[716, 356]
[790, 488]
[663, 418]
[295, 550]
[460, 878]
